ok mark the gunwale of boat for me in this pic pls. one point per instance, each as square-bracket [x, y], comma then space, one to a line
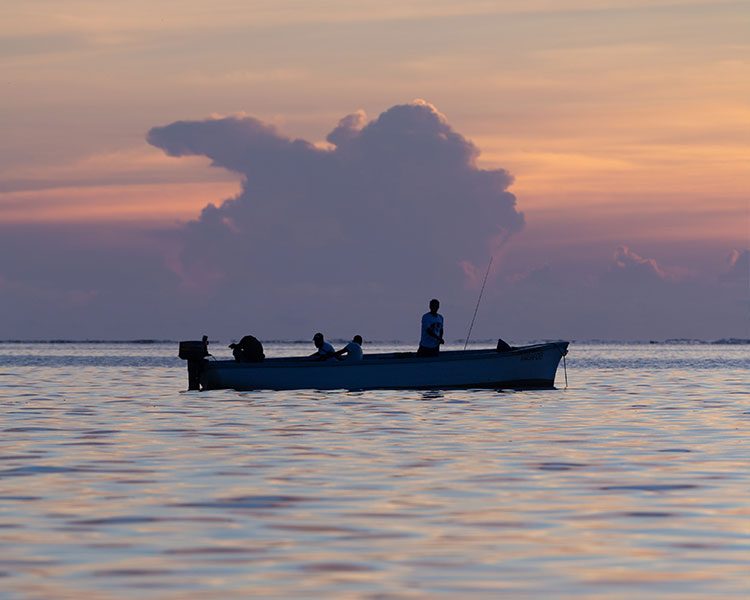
[400, 357]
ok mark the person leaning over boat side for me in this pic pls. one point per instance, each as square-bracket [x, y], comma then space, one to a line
[248, 350]
[353, 350]
[432, 331]
[325, 350]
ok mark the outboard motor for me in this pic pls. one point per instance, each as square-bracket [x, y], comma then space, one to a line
[194, 352]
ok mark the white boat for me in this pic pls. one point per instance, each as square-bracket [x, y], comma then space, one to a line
[524, 367]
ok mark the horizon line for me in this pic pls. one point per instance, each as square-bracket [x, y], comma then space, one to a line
[147, 341]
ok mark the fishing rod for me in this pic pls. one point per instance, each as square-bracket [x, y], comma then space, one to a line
[468, 335]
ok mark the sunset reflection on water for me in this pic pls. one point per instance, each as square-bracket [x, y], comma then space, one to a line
[633, 481]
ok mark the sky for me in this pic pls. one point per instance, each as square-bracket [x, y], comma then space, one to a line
[172, 169]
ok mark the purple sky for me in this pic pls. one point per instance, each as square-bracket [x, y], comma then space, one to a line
[596, 150]
[355, 237]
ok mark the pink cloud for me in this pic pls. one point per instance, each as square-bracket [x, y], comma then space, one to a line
[627, 260]
[624, 258]
[473, 278]
[737, 269]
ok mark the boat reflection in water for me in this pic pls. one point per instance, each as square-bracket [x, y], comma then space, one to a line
[532, 366]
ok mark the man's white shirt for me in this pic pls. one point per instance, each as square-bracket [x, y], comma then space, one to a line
[354, 352]
[432, 323]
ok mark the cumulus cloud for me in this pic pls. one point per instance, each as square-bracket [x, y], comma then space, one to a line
[396, 203]
[348, 129]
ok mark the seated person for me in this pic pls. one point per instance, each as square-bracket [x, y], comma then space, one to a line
[353, 350]
[248, 350]
[325, 350]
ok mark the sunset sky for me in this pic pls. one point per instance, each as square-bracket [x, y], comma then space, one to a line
[598, 150]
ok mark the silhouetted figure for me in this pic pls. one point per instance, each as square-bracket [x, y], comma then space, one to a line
[325, 350]
[248, 350]
[353, 350]
[432, 331]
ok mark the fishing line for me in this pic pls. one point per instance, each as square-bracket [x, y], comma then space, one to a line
[468, 335]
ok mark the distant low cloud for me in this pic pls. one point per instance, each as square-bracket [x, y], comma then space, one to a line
[397, 203]
[628, 264]
[738, 269]
[631, 297]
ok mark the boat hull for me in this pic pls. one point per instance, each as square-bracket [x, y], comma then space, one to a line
[525, 367]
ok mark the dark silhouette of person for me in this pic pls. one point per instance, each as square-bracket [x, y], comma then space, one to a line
[249, 349]
[353, 350]
[324, 349]
[432, 331]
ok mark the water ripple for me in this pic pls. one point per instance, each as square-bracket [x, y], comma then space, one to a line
[630, 483]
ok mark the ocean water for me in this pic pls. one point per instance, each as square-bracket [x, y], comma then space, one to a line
[631, 482]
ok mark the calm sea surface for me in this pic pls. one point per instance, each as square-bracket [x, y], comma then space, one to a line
[632, 482]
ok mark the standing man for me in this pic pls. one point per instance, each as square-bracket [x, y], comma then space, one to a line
[432, 331]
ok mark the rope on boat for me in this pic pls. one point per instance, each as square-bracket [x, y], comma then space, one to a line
[468, 335]
[565, 366]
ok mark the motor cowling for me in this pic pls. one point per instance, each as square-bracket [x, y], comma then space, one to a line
[193, 350]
